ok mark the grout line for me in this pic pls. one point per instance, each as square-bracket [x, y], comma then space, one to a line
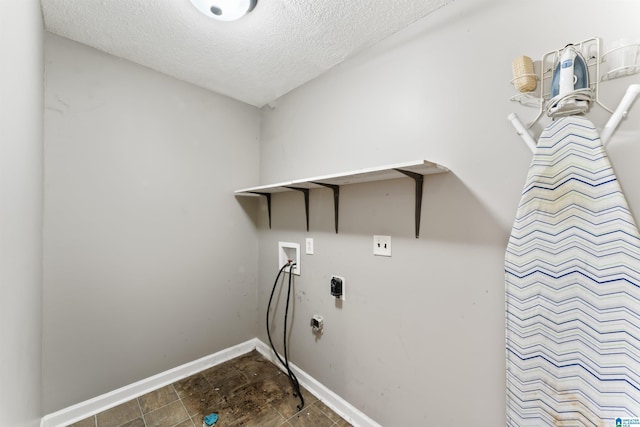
[183, 405]
[325, 413]
[207, 380]
[279, 413]
[141, 412]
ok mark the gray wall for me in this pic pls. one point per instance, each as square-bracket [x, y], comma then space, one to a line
[419, 340]
[149, 261]
[20, 212]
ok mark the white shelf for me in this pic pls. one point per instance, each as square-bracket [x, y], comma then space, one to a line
[415, 169]
[380, 173]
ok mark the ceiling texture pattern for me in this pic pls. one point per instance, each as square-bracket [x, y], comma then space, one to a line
[279, 46]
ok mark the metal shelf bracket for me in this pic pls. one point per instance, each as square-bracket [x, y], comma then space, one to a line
[336, 200]
[268, 196]
[305, 191]
[419, 180]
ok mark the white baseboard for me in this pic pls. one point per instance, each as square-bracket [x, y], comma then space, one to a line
[106, 401]
[340, 406]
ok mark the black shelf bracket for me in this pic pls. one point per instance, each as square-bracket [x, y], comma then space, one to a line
[268, 196]
[336, 200]
[306, 201]
[419, 180]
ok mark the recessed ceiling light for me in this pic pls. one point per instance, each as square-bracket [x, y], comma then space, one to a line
[225, 10]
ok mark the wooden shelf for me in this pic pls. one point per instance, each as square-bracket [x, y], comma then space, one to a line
[415, 170]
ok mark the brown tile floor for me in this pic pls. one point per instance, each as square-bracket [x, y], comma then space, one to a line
[246, 391]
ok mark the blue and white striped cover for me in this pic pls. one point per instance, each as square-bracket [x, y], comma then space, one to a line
[572, 288]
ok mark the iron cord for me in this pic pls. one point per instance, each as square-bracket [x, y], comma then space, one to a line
[285, 363]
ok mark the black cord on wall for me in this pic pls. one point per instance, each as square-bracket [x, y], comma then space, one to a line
[285, 363]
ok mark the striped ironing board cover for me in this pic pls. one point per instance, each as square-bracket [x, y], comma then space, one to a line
[572, 270]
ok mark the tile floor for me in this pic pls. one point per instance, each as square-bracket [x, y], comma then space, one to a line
[246, 391]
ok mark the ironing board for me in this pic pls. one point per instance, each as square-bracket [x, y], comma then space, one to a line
[572, 273]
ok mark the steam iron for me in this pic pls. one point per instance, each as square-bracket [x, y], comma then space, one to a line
[570, 91]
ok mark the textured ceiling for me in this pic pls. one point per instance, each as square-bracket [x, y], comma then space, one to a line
[279, 46]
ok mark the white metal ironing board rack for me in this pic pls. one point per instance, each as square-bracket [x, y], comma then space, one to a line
[592, 50]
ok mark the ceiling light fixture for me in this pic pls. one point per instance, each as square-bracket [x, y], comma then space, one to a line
[225, 10]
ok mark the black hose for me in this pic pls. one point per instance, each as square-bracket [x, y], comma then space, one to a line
[285, 363]
[292, 377]
[269, 309]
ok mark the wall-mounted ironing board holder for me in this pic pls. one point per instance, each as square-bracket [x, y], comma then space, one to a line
[591, 51]
[620, 113]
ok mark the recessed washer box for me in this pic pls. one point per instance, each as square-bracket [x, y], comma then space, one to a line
[288, 251]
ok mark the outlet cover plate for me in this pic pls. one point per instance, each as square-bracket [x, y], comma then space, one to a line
[382, 245]
[309, 246]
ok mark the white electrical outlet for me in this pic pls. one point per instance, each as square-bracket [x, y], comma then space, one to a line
[309, 246]
[382, 245]
[288, 251]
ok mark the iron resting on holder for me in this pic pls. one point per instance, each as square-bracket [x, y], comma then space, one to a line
[565, 87]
